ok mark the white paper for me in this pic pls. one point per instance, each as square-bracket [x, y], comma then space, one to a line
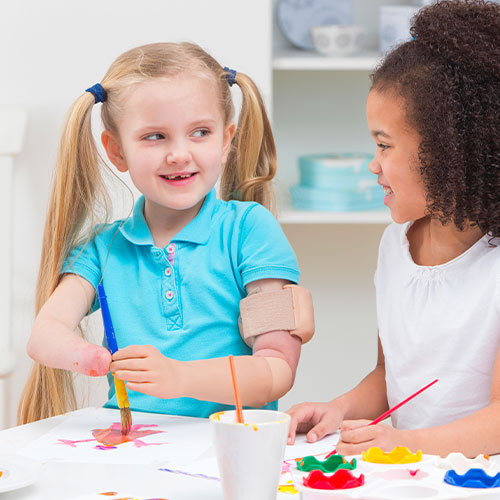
[180, 439]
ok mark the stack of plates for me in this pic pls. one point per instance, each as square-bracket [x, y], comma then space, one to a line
[340, 183]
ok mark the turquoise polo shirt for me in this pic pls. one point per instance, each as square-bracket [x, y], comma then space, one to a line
[184, 298]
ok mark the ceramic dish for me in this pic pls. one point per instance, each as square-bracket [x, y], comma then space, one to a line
[18, 472]
[394, 482]
[296, 17]
[338, 39]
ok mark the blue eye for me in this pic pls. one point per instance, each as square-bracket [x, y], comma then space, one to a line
[201, 133]
[154, 137]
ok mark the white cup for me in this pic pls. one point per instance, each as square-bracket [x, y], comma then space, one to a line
[250, 455]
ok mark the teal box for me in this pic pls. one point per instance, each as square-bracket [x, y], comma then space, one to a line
[339, 171]
[306, 198]
[340, 183]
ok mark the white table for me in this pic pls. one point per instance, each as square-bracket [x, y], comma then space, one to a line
[64, 480]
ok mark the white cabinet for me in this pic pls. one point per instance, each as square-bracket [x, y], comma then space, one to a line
[318, 106]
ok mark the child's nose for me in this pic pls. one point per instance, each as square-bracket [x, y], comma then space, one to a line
[179, 154]
[374, 166]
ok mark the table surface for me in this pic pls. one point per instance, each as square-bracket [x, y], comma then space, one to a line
[64, 480]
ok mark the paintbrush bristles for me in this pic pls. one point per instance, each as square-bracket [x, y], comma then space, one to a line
[126, 418]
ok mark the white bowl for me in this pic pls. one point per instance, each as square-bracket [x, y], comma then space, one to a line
[338, 39]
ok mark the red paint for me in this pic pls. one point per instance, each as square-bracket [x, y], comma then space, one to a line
[113, 436]
[413, 472]
[341, 480]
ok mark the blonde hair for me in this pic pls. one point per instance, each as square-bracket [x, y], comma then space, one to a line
[79, 195]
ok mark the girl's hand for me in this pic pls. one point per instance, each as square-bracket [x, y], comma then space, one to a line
[357, 436]
[147, 370]
[90, 359]
[317, 419]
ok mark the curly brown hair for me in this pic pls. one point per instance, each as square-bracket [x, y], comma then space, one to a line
[449, 77]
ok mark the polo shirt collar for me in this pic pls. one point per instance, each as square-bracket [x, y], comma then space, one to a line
[136, 229]
[198, 230]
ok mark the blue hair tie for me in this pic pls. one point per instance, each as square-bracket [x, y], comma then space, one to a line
[230, 75]
[98, 92]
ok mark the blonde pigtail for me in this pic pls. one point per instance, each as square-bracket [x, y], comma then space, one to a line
[76, 188]
[251, 163]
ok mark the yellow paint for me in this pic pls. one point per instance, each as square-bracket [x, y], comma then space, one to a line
[216, 416]
[287, 488]
[255, 428]
[399, 455]
[121, 393]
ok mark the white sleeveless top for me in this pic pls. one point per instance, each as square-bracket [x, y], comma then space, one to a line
[437, 322]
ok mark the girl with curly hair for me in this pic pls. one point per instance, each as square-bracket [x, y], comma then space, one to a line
[433, 111]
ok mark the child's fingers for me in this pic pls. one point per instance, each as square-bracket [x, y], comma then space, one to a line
[358, 434]
[353, 424]
[301, 419]
[132, 376]
[145, 388]
[326, 425]
[129, 364]
[344, 448]
[133, 351]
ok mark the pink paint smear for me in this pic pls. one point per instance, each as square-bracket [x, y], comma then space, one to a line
[111, 437]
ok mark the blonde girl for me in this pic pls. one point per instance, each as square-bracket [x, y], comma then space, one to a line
[176, 270]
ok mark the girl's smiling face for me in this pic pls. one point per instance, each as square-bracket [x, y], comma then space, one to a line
[173, 141]
[396, 160]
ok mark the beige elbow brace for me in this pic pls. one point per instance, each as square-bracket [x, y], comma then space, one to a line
[288, 309]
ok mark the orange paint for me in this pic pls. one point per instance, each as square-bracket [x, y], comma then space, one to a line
[109, 493]
[93, 373]
[113, 436]
[1, 473]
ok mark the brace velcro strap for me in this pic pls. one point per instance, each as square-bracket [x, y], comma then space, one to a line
[287, 309]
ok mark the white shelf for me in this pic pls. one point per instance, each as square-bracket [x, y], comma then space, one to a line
[290, 216]
[292, 59]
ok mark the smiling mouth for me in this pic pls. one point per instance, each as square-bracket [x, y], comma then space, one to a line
[387, 190]
[177, 177]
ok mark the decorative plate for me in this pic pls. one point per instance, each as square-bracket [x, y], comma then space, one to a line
[296, 17]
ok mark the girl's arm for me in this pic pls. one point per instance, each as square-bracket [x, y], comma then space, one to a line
[367, 400]
[263, 377]
[477, 433]
[54, 342]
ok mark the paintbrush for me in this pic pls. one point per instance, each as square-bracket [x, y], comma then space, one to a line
[394, 408]
[237, 399]
[399, 405]
[121, 391]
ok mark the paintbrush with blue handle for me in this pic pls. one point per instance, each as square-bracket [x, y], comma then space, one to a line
[120, 389]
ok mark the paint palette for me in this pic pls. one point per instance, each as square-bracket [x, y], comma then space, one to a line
[422, 480]
[17, 472]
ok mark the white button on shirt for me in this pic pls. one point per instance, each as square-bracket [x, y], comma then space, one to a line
[168, 271]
